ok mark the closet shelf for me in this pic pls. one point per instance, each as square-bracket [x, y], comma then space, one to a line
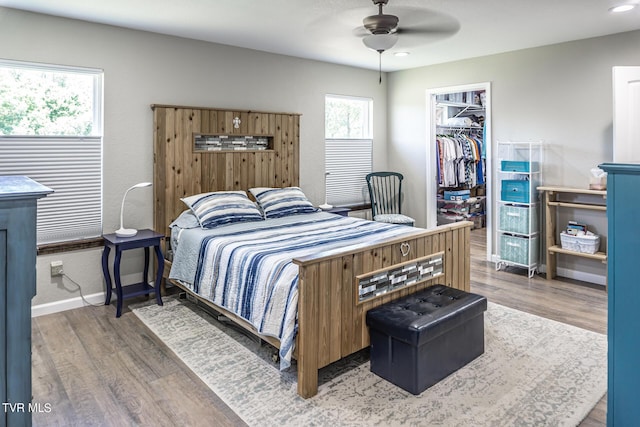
[461, 105]
[470, 200]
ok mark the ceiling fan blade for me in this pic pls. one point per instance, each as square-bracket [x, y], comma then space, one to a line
[360, 32]
[447, 29]
[423, 26]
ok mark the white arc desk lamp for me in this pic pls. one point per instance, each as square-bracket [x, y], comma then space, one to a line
[326, 206]
[128, 232]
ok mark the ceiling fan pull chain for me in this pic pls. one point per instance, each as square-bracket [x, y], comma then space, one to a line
[380, 67]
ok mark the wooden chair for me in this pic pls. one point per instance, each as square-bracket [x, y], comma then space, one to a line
[385, 193]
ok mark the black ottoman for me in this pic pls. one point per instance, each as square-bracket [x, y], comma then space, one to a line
[420, 339]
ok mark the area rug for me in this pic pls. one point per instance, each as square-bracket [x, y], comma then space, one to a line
[534, 372]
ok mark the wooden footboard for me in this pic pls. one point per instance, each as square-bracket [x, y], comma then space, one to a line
[331, 319]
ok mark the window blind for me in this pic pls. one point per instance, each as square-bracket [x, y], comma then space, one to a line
[347, 162]
[72, 167]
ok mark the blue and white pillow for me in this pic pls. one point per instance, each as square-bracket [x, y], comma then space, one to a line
[279, 202]
[222, 207]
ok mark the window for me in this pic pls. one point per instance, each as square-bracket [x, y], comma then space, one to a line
[348, 148]
[51, 131]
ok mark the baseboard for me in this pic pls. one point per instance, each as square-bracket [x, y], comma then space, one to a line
[582, 276]
[68, 304]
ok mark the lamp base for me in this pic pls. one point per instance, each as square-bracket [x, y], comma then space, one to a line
[126, 232]
[326, 207]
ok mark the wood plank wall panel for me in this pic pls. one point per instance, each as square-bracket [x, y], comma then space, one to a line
[159, 166]
[278, 148]
[191, 170]
[170, 200]
[180, 172]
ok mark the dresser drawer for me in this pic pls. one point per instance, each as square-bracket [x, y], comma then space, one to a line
[514, 190]
[514, 166]
[515, 219]
[519, 250]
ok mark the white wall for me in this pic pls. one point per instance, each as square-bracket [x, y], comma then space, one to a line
[143, 68]
[560, 94]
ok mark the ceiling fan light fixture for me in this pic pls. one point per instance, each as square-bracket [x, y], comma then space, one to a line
[622, 8]
[380, 42]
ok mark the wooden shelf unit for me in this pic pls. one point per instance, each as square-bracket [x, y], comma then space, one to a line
[551, 204]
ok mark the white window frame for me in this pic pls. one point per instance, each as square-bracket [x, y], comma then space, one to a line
[349, 159]
[69, 165]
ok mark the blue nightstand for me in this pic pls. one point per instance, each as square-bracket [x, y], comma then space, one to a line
[144, 239]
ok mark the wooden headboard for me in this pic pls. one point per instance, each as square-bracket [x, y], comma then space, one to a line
[181, 169]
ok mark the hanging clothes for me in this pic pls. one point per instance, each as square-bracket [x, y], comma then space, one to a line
[459, 159]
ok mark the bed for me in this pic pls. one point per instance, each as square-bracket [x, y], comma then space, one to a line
[231, 259]
[332, 281]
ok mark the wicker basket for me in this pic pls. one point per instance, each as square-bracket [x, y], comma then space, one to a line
[587, 244]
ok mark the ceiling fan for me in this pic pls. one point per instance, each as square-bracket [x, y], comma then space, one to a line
[382, 29]
[380, 32]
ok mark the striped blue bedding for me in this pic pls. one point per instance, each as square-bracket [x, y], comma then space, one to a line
[247, 268]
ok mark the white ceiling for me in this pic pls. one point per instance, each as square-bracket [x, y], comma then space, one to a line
[327, 30]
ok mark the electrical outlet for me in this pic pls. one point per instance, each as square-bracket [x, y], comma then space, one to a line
[56, 268]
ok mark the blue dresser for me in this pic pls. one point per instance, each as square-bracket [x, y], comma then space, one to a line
[18, 197]
[623, 208]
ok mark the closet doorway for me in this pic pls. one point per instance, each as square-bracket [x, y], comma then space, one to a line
[458, 157]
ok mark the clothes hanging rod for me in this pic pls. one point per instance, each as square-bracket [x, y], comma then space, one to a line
[479, 128]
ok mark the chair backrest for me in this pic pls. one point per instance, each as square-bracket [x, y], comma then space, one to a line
[385, 192]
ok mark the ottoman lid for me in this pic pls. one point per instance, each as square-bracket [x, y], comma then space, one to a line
[423, 316]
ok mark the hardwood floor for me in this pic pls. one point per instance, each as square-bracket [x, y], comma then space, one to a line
[93, 369]
[96, 370]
